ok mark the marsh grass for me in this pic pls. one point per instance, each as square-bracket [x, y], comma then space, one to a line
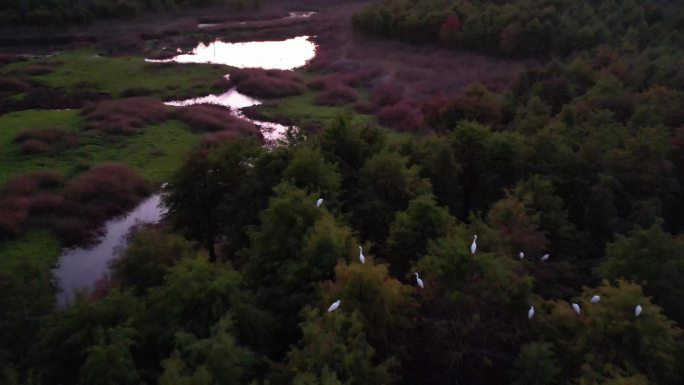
[117, 76]
[155, 153]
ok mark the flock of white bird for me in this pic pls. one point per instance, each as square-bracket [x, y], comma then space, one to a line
[473, 248]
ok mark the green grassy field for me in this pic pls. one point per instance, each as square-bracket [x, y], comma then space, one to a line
[155, 153]
[37, 247]
[114, 75]
[302, 110]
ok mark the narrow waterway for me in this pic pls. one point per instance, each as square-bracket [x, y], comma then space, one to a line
[79, 269]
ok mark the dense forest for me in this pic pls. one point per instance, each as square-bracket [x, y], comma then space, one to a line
[532, 236]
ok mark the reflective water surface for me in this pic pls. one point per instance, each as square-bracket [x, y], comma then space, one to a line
[284, 55]
[80, 268]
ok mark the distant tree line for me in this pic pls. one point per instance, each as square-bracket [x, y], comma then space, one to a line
[527, 27]
[58, 12]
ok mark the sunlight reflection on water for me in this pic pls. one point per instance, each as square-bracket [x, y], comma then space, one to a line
[284, 55]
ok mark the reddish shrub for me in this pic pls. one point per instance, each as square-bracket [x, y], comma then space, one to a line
[31, 183]
[124, 116]
[215, 139]
[13, 215]
[33, 146]
[475, 102]
[337, 95]
[351, 80]
[47, 135]
[214, 119]
[386, 94]
[40, 140]
[320, 61]
[44, 203]
[448, 32]
[104, 191]
[38, 69]
[269, 87]
[23, 195]
[401, 116]
[266, 83]
[9, 58]
[14, 85]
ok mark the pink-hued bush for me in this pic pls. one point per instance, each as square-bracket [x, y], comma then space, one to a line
[31, 182]
[9, 58]
[214, 119]
[33, 146]
[401, 116]
[216, 139]
[26, 195]
[41, 140]
[337, 95]
[105, 191]
[266, 83]
[14, 85]
[124, 116]
[37, 69]
[386, 94]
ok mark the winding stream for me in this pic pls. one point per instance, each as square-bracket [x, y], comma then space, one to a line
[79, 269]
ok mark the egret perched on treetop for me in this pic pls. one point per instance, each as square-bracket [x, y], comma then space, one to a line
[419, 281]
[319, 202]
[595, 299]
[530, 313]
[521, 255]
[637, 310]
[334, 305]
[576, 307]
[545, 257]
[473, 247]
[362, 258]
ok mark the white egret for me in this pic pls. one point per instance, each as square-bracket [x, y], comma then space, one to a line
[576, 308]
[319, 202]
[595, 298]
[637, 310]
[334, 306]
[419, 281]
[545, 257]
[473, 247]
[530, 313]
[521, 255]
[362, 258]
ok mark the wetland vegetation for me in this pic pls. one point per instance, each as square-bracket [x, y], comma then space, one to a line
[187, 186]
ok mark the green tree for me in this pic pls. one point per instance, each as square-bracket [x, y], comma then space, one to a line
[195, 296]
[297, 245]
[517, 227]
[384, 304]
[218, 356]
[214, 191]
[334, 350]
[386, 185]
[65, 337]
[471, 317]
[536, 364]
[412, 229]
[109, 361]
[608, 339]
[309, 171]
[653, 257]
[147, 258]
